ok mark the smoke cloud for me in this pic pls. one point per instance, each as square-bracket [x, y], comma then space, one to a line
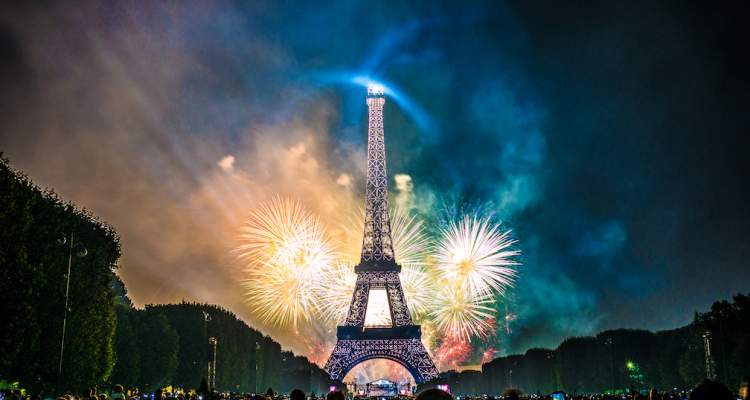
[172, 121]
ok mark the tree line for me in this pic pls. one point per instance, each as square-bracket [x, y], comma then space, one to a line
[169, 344]
[107, 341]
[625, 359]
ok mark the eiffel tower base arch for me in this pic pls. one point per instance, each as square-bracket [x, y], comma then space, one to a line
[410, 353]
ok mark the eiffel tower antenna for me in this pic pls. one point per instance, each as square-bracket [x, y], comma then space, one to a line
[378, 324]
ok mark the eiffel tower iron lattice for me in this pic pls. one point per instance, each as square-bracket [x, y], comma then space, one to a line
[393, 336]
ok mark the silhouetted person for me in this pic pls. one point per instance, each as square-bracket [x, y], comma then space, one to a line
[297, 394]
[711, 390]
[653, 395]
[511, 394]
[118, 393]
[335, 395]
[434, 394]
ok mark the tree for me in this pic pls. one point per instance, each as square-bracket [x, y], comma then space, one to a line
[188, 320]
[39, 232]
[240, 349]
[729, 327]
[538, 369]
[127, 366]
[158, 344]
[577, 360]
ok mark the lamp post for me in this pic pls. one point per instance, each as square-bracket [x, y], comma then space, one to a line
[80, 252]
[710, 367]
[510, 378]
[206, 319]
[213, 341]
[609, 342]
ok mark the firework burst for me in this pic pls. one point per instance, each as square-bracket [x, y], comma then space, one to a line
[461, 315]
[335, 290]
[410, 243]
[452, 352]
[286, 251]
[418, 289]
[476, 256]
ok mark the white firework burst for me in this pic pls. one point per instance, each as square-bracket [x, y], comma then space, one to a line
[286, 251]
[461, 315]
[476, 256]
[334, 292]
[419, 290]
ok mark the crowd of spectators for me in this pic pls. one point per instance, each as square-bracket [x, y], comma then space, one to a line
[705, 390]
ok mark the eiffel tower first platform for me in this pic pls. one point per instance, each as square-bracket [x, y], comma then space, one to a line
[378, 324]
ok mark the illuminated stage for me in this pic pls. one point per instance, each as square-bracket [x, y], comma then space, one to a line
[381, 388]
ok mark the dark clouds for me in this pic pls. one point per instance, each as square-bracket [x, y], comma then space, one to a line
[611, 137]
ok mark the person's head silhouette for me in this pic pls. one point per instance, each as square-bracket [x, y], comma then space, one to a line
[434, 394]
[335, 395]
[711, 390]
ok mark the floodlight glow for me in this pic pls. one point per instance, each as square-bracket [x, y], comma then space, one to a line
[378, 312]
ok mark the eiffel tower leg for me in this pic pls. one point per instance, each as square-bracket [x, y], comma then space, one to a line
[421, 360]
[336, 364]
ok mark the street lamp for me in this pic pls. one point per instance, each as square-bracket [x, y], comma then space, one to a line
[609, 342]
[710, 367]
[80, 251]
[510, 378]
[213, 341]
[206, 319]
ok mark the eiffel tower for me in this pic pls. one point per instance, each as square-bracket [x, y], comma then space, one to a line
[378, 324]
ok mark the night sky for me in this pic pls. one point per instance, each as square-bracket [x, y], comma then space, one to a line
[610, 136]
